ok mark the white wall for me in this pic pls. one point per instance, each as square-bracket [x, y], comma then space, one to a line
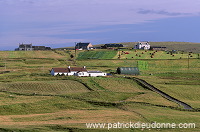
[80, 74]
[90, 74]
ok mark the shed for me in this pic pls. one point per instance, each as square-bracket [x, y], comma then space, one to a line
[128, 70]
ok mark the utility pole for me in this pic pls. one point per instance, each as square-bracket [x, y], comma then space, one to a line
[188, 61]
[75, 49]
[5, 64]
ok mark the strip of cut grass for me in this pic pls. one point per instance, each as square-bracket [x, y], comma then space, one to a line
[44, 87]
[96, 55]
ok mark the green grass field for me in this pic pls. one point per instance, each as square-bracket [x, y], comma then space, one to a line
[31, 100]
[100, 54]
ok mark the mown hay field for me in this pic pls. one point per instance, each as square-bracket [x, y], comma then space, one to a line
[44, 87]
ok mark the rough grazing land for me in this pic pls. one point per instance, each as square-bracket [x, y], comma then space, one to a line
[31, 100]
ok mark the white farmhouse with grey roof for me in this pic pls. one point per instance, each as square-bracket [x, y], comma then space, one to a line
[142, 45]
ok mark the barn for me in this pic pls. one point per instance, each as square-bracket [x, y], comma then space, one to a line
[128, 70]
[108, 46]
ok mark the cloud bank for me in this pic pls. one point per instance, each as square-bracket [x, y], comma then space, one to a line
[35, 20]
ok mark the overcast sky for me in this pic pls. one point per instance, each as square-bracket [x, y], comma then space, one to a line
[60, 23]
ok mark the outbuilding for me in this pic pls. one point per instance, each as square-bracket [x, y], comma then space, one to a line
[91, 74]
[128, 70]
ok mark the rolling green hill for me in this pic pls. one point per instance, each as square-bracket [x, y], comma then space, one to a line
[181, 46]
[33, 100]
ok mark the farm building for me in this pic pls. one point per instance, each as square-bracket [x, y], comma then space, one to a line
[84, 46]
[90, 74]
[158, 48]
[41, 48]
[69, 71]
[76, 71]
[107, 46]
[128, 70]
[142, 45]
[29, 47]
[59, 71]
[25, 47]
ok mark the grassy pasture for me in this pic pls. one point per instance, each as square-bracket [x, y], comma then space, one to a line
[65, 104]
[141, 54]
[44, 87]
[99, 54]
[181, 46]
[30, 54]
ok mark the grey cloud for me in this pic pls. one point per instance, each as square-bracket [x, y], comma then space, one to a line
[161, 12]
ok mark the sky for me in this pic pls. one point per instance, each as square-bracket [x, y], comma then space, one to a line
[61, 23]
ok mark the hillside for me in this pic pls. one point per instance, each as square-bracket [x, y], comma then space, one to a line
[33, 100]
[181, 46]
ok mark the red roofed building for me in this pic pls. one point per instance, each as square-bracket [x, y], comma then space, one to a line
[69, 71]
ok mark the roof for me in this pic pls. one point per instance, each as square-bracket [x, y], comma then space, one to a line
[95, 72]
[77, 69]
[128, 70]
[25, 46]
[66, 70]
[114, 45]
[144, 42]
[82, 44]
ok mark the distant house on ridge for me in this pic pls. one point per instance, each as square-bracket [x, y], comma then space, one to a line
[29, 47]
[25, 47]
[108, 46]
[83, 46]
[142, 45]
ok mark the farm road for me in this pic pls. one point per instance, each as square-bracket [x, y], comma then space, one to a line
[151, 87]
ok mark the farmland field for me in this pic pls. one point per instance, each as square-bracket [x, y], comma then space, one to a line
[32, 100]
[96, 55]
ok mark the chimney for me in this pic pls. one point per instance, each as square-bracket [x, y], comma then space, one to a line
[69, 67]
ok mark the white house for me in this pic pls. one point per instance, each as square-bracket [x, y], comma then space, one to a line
[142, 45]
[59, 71]
[76, 71]
[84, 46]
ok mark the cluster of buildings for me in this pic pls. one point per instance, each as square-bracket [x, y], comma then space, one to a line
[83, 72]
[76, 71]
[88, 46]
[144, 45]
[30, 47]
